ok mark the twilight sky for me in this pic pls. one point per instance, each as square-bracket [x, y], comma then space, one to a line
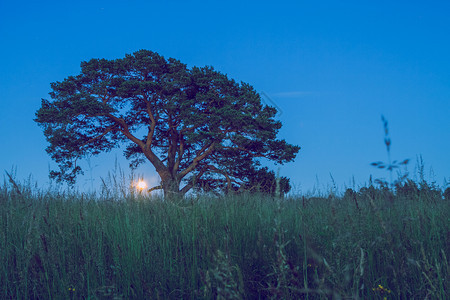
[332, 67]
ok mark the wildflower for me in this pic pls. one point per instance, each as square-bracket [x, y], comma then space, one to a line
[381, 289]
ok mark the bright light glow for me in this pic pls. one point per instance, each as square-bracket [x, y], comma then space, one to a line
[141, 185]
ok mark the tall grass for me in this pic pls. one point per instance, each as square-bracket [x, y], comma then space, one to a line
[362, 246]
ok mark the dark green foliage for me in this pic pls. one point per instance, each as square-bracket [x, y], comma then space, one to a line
[349, 193]
[413, 191]
[265, 181]
[253, 180]
[371, 193]
[430, 191]
[191, 124]
[408, 189]
[447, 194]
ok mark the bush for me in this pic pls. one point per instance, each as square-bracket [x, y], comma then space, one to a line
[409, 189]
[447, 194]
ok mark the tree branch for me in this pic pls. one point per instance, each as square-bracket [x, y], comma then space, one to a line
[180, 154]
[125, 130]
[207, 151]
[173, 141]
[252, 154]
[216, 170]
[188, 129]
[151, 129]
[151, 156]
[108, 130]
[190, 185]
[158, 187]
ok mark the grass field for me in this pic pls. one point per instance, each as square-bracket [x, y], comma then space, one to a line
[367, 245]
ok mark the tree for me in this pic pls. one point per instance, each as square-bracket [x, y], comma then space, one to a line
[253, 180]
[265, 181]
[188, 123]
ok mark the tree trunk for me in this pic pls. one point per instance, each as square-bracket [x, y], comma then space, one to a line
[171, 188]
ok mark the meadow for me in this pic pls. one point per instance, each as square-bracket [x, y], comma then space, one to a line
[366, 244]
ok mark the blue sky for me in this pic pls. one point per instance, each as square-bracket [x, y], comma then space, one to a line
[332, 67]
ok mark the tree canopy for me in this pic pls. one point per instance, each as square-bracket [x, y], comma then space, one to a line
[192, 124]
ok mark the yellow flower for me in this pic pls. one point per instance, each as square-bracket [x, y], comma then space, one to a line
[381, 289]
